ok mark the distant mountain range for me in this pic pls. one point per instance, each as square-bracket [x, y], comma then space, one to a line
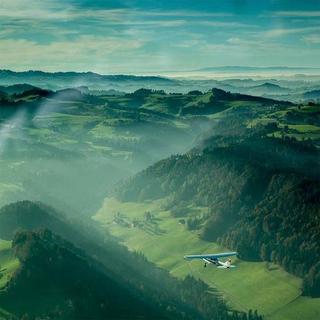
[71, 75]
[266, 89]
[314, 94]
[243, 80]
[254, 69]
[59, 80]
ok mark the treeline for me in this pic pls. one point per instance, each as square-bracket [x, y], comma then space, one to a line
[263, 197]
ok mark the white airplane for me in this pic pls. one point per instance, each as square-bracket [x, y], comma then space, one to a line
[214, 259]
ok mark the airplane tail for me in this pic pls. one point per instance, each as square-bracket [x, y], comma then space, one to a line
[226, 265]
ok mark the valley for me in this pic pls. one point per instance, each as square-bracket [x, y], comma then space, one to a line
[164, 240]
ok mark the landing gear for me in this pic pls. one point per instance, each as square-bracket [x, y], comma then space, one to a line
[205, 265]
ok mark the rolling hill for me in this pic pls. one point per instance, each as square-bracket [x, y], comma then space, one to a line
[66, 284]
[118, 135]
[236, 79]
[17, 88]
[268, 89]
[60, 80]
[312, 95]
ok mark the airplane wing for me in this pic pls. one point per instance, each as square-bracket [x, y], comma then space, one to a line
[211, 256]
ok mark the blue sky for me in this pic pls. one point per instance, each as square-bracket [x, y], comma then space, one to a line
[139, 36]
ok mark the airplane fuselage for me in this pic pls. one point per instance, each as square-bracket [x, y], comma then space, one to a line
[217, 262]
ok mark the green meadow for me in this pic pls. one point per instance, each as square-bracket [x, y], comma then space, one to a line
[8, 263]
[164, 240]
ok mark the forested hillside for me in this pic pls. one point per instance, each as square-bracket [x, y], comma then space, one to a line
[262, 195]
[63, 284]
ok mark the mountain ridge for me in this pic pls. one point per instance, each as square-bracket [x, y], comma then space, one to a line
[73, 74]
[41, 253]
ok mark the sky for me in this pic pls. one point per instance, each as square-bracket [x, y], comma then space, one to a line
[141, 36]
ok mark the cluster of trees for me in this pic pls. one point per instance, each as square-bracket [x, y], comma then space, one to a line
[145, 92]
[263, 194]
[284, 228]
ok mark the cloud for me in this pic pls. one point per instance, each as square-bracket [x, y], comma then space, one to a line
[57, 10]
[83, 53]
[35, 9]
[312, 38]
[255, 43]
[274, 33]
[101, 35]
[225, 24]
[98, 4]
[306, 14]
[183, 13]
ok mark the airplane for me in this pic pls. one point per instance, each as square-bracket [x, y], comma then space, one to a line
[214, 259]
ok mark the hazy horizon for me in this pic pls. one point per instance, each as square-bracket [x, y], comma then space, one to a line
[206, 73]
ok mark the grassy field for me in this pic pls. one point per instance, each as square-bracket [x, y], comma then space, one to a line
[301, 123]
[165, 240]
[301, 308]
[8, 263]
